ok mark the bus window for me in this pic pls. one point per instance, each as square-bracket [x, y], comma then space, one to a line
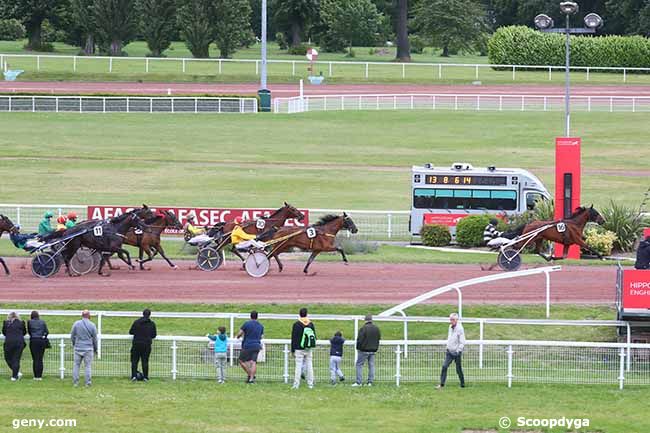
[464, 199]
[532, 198]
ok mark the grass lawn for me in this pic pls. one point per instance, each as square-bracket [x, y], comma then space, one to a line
[357, 160]
[117, 406]
[168, 69]
[281, 328]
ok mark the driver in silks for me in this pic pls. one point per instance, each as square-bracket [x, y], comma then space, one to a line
[242, 240]
[27, 242]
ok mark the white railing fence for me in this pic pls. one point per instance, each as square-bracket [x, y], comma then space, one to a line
[126, 104]
[508, 362]
[365, 70]
[460, 102]
[372, 225]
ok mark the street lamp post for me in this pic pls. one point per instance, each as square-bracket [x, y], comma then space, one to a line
[263, 92]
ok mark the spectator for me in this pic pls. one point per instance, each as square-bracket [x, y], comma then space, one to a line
[84, 342]
[643, 255]
[455, 346]
[38, 342]
[367, 346]
[220, 352]
[144, 332]
[336, 355]
[253, 332]
[14, 331]
[303, 340]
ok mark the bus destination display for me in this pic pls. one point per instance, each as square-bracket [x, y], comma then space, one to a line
[432, 179]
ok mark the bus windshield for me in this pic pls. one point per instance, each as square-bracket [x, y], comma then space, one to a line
[465, 199]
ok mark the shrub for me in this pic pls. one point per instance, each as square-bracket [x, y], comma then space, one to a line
[625, 222]
[351, 53]
[417, 44]
[521, 45]
[281, 39]
[299, 50]
[469, 231]
[435, 235]
[353, 246]
[332, 43]
[11, 30]
[599, 239]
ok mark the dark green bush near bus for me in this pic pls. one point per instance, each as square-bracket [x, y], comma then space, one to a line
[521, 45]
[435, 235]
[469, 231]
[11, 30]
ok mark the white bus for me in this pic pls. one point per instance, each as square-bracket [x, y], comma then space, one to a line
[446, 195]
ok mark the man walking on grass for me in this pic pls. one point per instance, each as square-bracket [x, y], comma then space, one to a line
[455, 347]
[253, 332]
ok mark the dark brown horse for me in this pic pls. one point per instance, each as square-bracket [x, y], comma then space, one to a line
[6, 226]
[571, 235]
[316, 238]
[149, 241]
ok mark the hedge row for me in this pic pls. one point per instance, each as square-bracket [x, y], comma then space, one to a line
[520, 45]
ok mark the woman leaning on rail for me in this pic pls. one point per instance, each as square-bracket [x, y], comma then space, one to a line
[38, 342]
[14, 331]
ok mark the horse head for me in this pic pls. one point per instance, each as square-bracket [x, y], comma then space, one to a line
[294, 212]
[595, 216]
[7, 225]
[171, 220]
[348, 224]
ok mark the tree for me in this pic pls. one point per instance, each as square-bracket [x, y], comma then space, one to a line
[354, 21]
[232, 25]
[196, 21]
[157, 20]
[293, 17]
[403, 47]
[116, 24]
[456, 24]
[84, 18]
[31, 13]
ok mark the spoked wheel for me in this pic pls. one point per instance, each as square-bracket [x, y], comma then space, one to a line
[44, 265]
[209, 259]
[257, 264]
[84, 261]
[509, 259]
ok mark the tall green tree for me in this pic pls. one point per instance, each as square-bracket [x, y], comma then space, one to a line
[456, 24]
[31, 13]
[84, 19]
[403, 46]
[115, 23]
[196, 23]
[232, 25]
[157, 21]
[354, 21]
[293, 17]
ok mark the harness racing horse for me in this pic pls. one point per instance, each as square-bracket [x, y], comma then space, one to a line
[149, 241]
[105, 236]
[6, 226]
[316, 238]
[566, 232]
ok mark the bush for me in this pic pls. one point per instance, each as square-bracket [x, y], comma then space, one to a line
[469, 231]
[281, 39]
[520, 45]
[599, 239]
[354, 246]
[417, 44]
[625, 222]
[11, 30]
[351, 53]
[300, 50]
[435, 235]
[331, 43]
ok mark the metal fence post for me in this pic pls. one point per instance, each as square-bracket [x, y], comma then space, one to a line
[183, 62]
[174, 350]
[38, 63]
[285, 373]
[510, 366]
[621, 377]
[110, 64]
[550, 74]
[397, 365]
[62, 359]
[476, 75]
[293, 68]
[232, 335]
[356, 332]
[390, 226]
[440, 71]
[624, 75]
[99, 335]
[481, 326]
[257, 67]
[403, 70]
[629, 341]
[146, 65]
[330, 67]
[513, 72]
[587, 74]
[74, 64]
[219, 66]
[366, 70]
[548, 294]
[18, 215]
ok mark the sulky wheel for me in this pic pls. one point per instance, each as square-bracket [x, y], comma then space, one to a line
[209, 259]
[509, 259]
[257, 264]
[83, 262]
[44, 265]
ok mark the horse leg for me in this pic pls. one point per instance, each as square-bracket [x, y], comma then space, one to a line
[159, 249]
[312, 257]
[235, 252]
[140, 251]
[4, 265]
[103, 260]
[110, 265]
[146, 249]
[538, 250]
[277, 259]
[580, 242]
[126, 257]
[345, 259]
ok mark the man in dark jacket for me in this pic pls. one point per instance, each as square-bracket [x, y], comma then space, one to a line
[143, 331]
[303, 341]
[367, 346]
[643, 255]
[14, 331]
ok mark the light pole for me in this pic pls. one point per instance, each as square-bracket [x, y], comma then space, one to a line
[545, 24]
[263, 92]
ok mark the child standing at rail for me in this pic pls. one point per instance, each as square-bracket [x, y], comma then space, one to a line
[336, 355]
[220, 352]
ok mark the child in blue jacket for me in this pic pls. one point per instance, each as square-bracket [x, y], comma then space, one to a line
[220, 352]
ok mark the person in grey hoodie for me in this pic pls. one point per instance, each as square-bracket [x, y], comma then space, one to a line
[84, 342]
[455, 347]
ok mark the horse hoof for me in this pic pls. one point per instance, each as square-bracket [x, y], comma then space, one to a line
[174, 267]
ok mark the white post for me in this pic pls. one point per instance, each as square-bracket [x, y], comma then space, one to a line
[403, 70]
[633, 104]
[103, 105]
[151, 105]
[500, 102]
[522, 102]
[460, 302]
[62, 359]
[440, 71]
[293, 68]
[545, 103]
[128, 108]
[476, 74]
[397, 365]
[481, 326]
[330, 71]
[510, 366]
[433, 102]
[406, 336]
[33, 104]
[56, 99]
[366, 70]
[513, 72]
[548, 294]
[390, 226]
[356, 332]
[411, 102]
[196, 109]
[38, 63]
[629, 341]
[589, 104]
[99, 335]
[342, 102]
[183, 62]
[621, 376]
[219, 66]
[257, 67]
[285, 374]
[18, 215]
[550, 73]
[74, 64]
[611, 104]
[232, 336]
[478, 102]
[146, 65]
[394, 102]
[587, 74]
[456, 102]
[110, 64]
[174, 350]
[624, 75]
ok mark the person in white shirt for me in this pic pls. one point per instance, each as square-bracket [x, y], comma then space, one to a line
[455, 347]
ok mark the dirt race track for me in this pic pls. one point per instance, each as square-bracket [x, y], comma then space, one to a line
[359, 283]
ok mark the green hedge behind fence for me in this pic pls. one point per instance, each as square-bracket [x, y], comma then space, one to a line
[520, 45]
